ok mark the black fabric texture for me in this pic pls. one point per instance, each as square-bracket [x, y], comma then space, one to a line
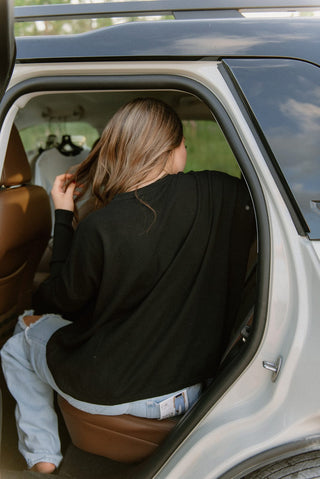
[150, 290]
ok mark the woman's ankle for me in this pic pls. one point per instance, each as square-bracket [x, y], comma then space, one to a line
[43, 467]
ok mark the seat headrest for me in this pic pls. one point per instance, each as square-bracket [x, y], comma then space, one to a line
[16, 168]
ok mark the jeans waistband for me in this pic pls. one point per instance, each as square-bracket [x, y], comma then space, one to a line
[151, 408]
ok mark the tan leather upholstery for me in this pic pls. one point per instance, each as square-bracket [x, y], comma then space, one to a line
[122, 438]
[16, 169]
[25, 225]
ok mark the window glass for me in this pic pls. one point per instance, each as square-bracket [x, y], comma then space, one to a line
[284, 96]
[206, 145]
[35, 138]
[208, 149]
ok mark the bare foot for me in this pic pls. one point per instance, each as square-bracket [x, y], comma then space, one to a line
[43, 467]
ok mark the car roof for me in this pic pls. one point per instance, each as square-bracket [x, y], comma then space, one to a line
[196, 33]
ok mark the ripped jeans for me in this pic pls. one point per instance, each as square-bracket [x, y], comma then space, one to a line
[32, 385]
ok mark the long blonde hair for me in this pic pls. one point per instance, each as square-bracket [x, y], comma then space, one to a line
[137, 142]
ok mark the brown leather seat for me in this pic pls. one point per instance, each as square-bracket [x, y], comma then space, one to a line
[122, 438]
[25, 226]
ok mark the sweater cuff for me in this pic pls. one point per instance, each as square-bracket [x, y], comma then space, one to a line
[63, 217]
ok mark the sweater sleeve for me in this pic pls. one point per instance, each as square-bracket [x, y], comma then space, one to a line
[75, 269]
[62, 240]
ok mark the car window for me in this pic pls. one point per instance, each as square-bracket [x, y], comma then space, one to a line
[207, 148]
[35, 138]
[284, 96]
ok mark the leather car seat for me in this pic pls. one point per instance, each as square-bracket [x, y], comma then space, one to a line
[25, 226]
[123, 438]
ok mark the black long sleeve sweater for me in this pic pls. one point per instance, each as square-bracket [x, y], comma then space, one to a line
[148, 288]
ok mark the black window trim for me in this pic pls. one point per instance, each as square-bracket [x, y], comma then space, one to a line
[164, 82]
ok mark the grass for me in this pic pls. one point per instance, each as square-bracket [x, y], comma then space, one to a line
[206, 145]
[208, 149]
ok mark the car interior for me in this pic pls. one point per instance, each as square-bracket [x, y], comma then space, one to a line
[51, 133]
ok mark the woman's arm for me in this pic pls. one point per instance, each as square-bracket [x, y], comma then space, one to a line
[76, 259]
[62, 194]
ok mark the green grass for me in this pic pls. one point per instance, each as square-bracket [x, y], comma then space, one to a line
[207, 147]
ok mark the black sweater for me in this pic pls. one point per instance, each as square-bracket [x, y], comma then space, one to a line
[149, 289]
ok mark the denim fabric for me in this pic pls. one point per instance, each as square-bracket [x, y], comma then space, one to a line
[31, 384]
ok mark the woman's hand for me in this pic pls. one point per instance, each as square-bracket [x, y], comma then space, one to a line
[62, 195]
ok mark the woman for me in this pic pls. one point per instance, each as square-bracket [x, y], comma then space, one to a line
[137, 295]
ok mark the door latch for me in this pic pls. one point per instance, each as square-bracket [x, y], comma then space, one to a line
[274, 367]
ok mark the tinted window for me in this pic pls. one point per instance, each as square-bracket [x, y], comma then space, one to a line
[284, 96]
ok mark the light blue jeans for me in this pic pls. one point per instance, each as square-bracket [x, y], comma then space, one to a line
[31, 384]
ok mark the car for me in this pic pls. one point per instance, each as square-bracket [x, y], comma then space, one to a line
[239, 78]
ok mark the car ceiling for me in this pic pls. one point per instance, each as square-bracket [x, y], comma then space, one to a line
[96, 108]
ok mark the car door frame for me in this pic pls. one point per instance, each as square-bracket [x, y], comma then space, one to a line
[8, 56]
[7, 44]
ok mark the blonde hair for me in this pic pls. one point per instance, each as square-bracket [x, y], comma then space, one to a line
[136, 144]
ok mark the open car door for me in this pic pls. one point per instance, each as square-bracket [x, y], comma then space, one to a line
[7, 59]
[7, 44]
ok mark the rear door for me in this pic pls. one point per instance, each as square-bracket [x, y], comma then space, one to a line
[7, 44]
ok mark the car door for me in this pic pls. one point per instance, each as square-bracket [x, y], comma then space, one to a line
[7, 44]
[7, 55]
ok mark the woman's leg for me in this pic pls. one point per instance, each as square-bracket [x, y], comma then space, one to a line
[29, 381]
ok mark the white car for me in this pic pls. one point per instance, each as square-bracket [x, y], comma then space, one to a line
[252, 83]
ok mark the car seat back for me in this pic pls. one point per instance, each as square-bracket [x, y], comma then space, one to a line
[25, 225]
